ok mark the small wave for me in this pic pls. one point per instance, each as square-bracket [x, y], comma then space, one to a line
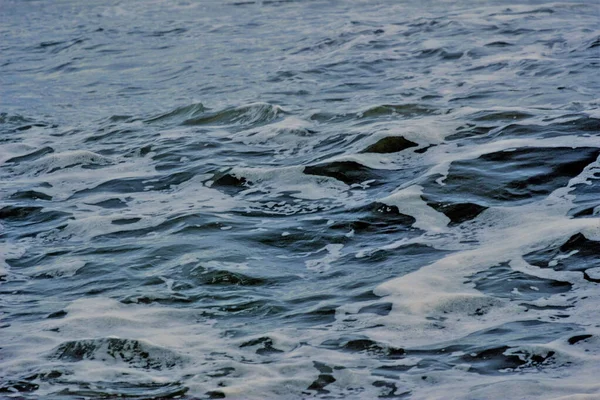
[181, 113]
[504, 282]
[30, 195]
[578, 253]
[408, 110]
[264, 345]
[249, 115]
[15, 119]
[31, 156]
[55, 47]
[290, 179]
[499, 43]
[68, 159]
[456, 212]
[441, 53]
[227, 278]
[136, 353]
[489, 179]
[364, 344]
[500, 115]
[174, 32]
[541, 10]
[349, 172]
[390, 144]
[594, 43]
[326, 44]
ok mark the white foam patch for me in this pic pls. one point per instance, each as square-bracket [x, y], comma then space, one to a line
[435, 304]
[334, 252]
[439, 289]
[593, 273]
[409, 202]
[542, 386]
[595, 113]
[294, 181]
[100, 319]
[386, 161]
[191, 350]
[61, 184]
[290, 136]
[182, 339]
[67, 159]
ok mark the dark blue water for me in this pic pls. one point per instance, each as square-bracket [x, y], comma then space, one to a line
[299, 199]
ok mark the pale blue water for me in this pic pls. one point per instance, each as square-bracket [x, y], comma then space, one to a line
[299, 199]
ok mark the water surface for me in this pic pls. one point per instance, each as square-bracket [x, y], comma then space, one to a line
[299, 199]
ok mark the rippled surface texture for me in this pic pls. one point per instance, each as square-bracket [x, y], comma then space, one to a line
[299, 199]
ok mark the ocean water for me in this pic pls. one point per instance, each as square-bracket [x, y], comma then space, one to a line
[299, 199]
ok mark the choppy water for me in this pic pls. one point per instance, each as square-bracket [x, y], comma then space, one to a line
[299, 199]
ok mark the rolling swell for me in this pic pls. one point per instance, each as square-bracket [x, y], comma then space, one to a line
[228, 201]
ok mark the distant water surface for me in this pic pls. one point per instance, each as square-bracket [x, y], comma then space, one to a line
[299, 199]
